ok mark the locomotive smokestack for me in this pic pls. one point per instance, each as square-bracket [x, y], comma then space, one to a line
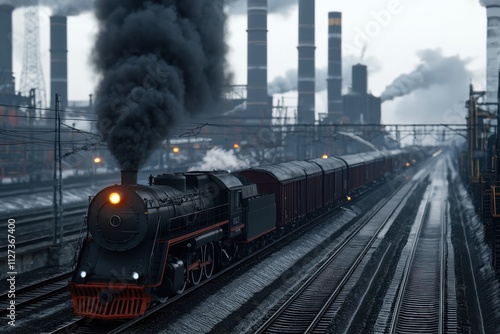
[335, 107]
[257, 105]
[6, 78]
[306, 79]
[129, 177]
[58, 60]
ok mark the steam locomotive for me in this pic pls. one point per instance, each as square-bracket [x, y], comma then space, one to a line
[145, 243]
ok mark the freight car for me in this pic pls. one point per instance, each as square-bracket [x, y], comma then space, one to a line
[144, 243]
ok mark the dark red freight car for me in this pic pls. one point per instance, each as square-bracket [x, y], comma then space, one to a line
[286, 182]
[334, 183]
[356, 173]
[374, 166]
[313, 191]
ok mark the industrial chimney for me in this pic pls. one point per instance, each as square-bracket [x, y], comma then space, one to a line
[306, 73]
[360, 79]
[58, 60]
[6, 78]
[334, 80]
[492, 50]
[257, 100]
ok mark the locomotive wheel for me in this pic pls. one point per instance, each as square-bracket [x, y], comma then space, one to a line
[197, 274]
[209, 256]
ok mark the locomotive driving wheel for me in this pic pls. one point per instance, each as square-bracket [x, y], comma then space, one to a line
[209, 259]
[197, 272]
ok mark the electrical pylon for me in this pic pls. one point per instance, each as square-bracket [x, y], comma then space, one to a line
[32, 74]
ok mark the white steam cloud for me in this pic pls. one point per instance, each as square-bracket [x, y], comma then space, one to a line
[219, 159]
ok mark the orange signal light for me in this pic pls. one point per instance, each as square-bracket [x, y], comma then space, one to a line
[97, 160]
[176, 150]
[325, 156]
[236, 146]
[114, 198]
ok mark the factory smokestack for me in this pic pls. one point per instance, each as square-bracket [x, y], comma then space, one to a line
[257, 105]
[306, 78]
[58, 60]
[492, 49]
[6, 77]
[334, 80]
[360, 79]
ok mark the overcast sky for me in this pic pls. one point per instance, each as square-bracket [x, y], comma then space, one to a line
[396, 33]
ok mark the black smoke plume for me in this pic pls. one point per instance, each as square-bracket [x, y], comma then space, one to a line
[433, 70]
[159, 61]
[59, 7]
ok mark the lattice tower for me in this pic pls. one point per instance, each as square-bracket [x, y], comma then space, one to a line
[32, 74]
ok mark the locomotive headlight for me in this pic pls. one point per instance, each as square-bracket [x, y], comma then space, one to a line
[136, 271]
[114, 198]
[83, 274]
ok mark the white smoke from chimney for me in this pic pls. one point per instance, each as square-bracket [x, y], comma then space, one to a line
[434, 69]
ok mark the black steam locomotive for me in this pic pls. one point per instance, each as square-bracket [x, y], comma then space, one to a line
[147, 242]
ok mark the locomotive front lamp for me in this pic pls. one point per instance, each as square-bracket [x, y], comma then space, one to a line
[114, 198]
[135, 275]
[83, 274]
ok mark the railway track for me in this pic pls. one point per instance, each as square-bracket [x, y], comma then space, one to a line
[421, 300]
[36, 228]
[33, 297]
[314, 304]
